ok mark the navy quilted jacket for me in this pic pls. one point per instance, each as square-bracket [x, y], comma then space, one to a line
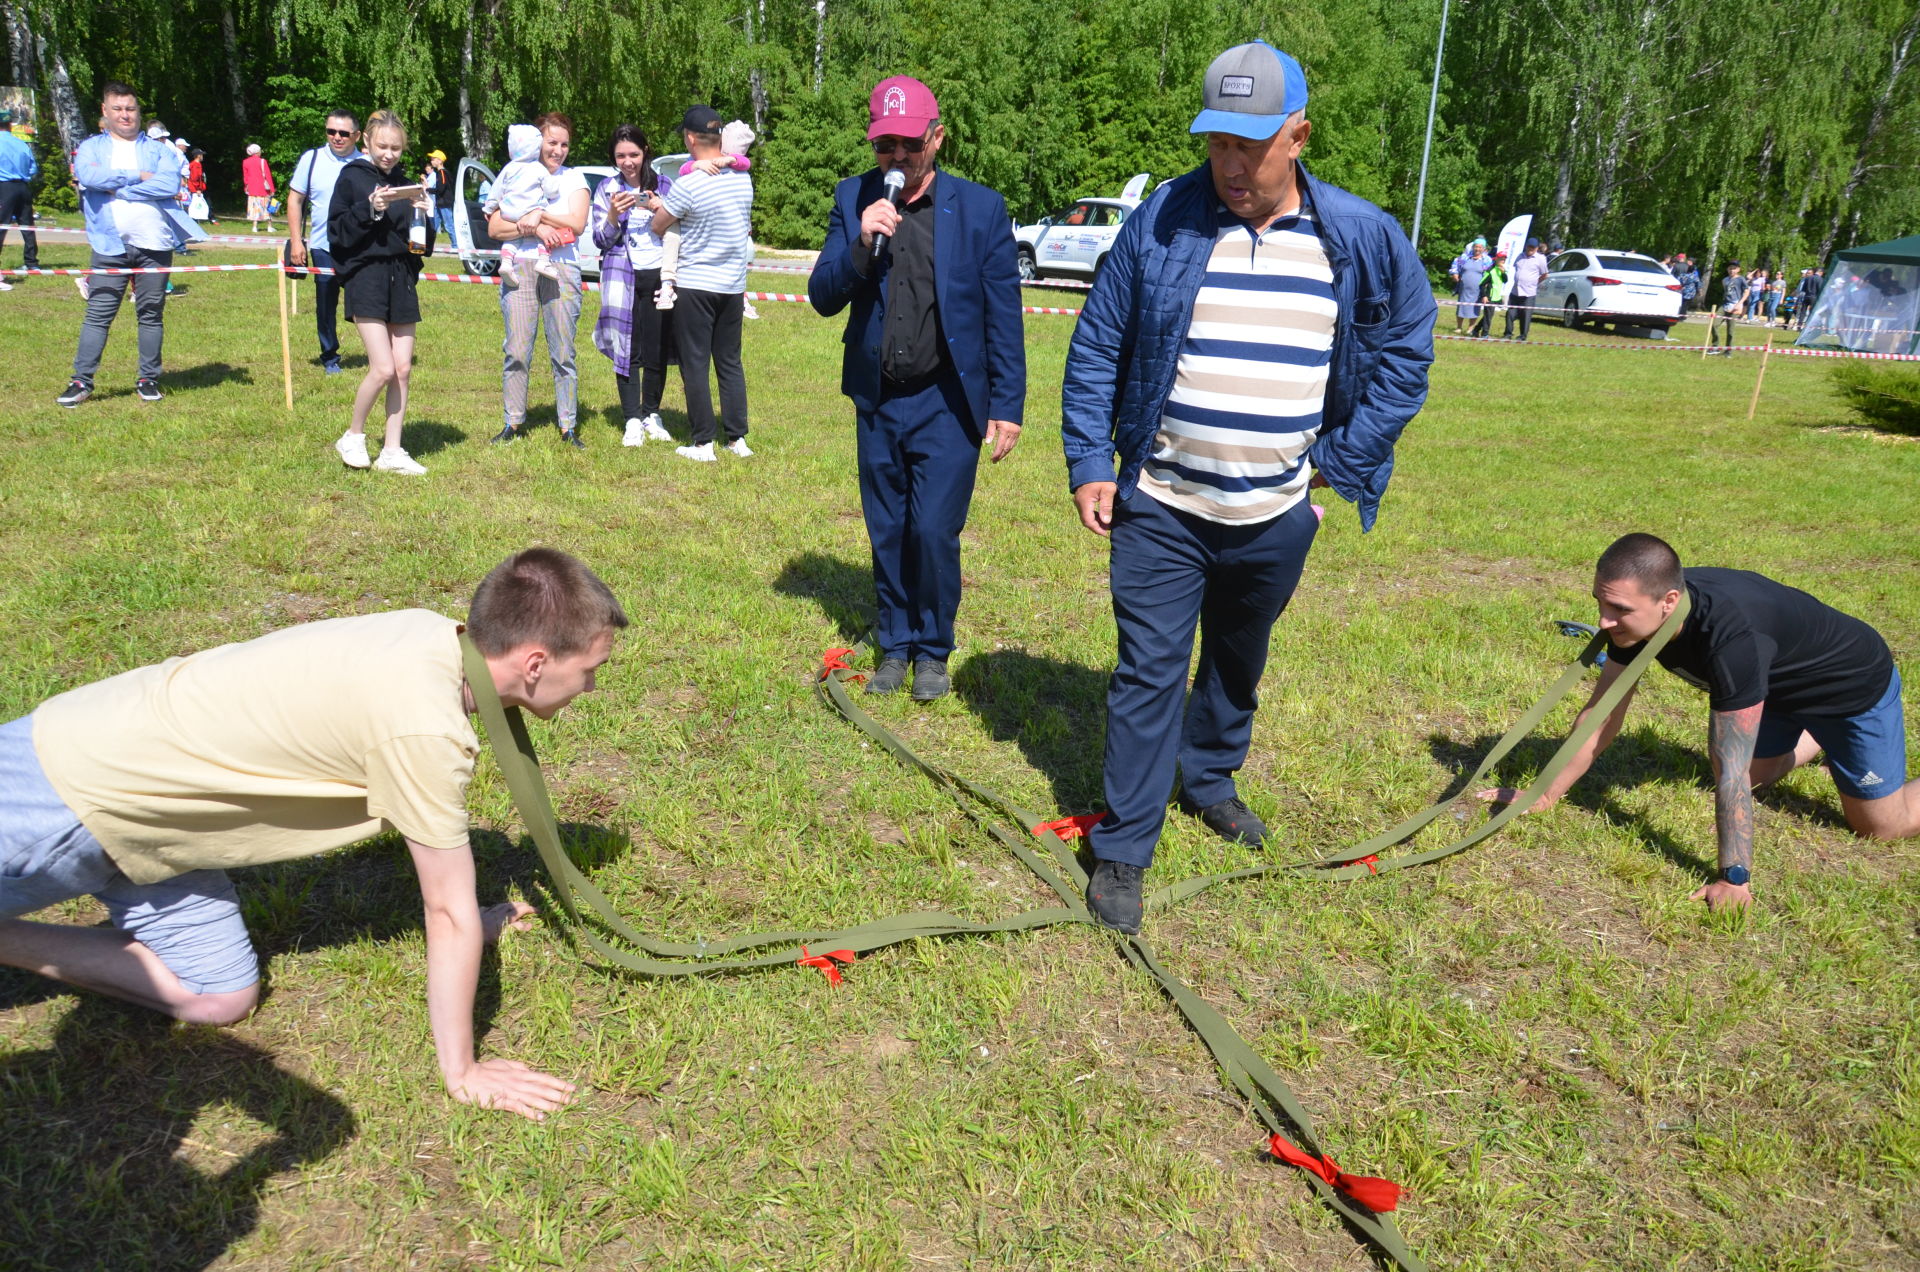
[1126, 348]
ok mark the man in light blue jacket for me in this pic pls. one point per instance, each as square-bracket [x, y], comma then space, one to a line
[128, 188]
[1255, 333]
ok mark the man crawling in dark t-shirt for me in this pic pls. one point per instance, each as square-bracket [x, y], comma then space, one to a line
[1786, 677]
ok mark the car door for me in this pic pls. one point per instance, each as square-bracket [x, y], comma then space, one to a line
[1067, 246]
[469, 222]
[1560, 273]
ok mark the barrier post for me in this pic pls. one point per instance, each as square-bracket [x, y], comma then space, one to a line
[286, 347]
[1764, 355]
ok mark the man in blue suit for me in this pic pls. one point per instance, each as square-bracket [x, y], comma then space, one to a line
[935, 364]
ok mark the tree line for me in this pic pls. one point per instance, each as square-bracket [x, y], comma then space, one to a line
[1772, 132]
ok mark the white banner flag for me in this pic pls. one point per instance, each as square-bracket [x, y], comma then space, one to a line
[1513, 236]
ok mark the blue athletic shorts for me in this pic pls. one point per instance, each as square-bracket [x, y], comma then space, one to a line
[1867, 752]
[192, 921]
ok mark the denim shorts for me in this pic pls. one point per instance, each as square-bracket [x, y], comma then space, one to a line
[1867, 753]
[191, 921]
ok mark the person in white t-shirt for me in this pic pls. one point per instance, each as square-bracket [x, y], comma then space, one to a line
[552, 302]
[145, 788]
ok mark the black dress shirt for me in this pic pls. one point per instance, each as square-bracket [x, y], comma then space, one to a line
[914, 350]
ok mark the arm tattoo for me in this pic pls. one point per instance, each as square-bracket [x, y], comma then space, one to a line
[1730, 738]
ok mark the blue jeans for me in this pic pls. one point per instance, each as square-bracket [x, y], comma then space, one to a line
[1171, 572]
[326, 307]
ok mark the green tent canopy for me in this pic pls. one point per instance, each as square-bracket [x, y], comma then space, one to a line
[1871, 301]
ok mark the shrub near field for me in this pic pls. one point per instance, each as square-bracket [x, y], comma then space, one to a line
[1567, 1063]
[1885, 395]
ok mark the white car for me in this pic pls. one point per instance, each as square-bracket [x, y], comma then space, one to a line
[1073, 243]
[1598, 285]
[470, 223]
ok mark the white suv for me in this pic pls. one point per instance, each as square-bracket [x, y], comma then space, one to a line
[1074, 242]
[1597, 284]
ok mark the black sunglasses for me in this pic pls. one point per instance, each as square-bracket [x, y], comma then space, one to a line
[887, 145]
[339, 132]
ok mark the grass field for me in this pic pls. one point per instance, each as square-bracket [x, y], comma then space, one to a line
[1567, 1063]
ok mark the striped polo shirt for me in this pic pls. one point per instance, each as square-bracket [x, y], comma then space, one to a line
[1252, 378]
[716, 230]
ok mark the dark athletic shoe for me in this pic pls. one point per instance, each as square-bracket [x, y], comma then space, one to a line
[1113, 894]
[1232, 820]
[77, 392]
[505, 436]
[149, 390]
[889, 676]
[930, 679]
[571, 436]
[332, 368]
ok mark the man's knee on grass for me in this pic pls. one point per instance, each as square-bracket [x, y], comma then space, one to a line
[228, 1008]
[1891, 817]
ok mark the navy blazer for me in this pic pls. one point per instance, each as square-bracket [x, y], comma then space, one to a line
[976, 280]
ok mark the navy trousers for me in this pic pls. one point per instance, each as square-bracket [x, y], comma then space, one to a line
[326, 307]
[1170, 573]
[918, 457]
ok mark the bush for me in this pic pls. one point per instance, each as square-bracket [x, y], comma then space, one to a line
[1885, 395]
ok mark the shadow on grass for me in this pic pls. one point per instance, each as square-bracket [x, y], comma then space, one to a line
[206, 376]
[99, 1167]
[1054, 711]
[843, 590]
[424, 437]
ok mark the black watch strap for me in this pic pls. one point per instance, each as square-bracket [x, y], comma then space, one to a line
[1736, 875]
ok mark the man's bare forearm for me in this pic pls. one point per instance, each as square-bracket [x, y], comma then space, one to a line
[1731, 738]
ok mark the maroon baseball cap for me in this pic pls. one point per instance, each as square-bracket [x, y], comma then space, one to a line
[901, 107]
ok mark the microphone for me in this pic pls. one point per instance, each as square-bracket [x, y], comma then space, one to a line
[896, 184]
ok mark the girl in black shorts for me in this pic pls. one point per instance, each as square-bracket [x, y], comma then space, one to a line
[367, 229]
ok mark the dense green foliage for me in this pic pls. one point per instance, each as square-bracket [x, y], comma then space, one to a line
[1772, 132]
[1884, 394]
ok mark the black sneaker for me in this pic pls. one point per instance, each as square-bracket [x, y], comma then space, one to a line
[77, 392]
[571, 436]
[1230, 819]
[149, 390]
[889, 676]
[505, 436]
[930, 679]
[1113, 894]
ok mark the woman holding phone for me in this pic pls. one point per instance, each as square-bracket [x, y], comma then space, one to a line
[633, 332]
[526, 304]
[367, 228]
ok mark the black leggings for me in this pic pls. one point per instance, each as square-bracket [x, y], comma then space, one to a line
[640, 394]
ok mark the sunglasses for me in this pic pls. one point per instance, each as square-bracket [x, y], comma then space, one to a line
[339, 132]
[887, 145]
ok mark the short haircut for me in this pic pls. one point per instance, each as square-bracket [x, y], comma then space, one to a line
[542, 597]
[341, 112]
[1649, 562]
[713, 138]
[382, 120]
[649, 179]
[554, 119]
[114, 88]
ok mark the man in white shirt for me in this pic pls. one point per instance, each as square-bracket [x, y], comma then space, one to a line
[128, 183]
[309, 197]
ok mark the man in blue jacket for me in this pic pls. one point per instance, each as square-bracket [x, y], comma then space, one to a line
[18, 168]
[935, 364]
[1255, 332]
[128, 187]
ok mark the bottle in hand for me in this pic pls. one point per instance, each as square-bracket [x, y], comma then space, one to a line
[417, 234]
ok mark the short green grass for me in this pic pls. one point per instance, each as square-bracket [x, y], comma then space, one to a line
[1566, 1062]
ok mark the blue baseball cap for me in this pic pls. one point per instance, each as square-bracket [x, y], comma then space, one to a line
[1249, 92]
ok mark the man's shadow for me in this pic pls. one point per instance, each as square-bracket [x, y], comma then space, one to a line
[1634, 758]
[101, 1166]
[1055, 711]
[842, 590]
[424, 437]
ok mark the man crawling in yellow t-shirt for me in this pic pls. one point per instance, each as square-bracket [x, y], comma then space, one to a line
[144, 788]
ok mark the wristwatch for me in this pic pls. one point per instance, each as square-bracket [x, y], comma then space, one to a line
[1736, 875]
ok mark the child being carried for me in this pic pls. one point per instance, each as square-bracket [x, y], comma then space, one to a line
[523, 190]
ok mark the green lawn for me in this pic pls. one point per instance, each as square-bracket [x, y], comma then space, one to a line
[1567, 1063]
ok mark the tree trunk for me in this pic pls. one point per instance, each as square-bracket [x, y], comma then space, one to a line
[756, 78]
[1707, 274]
[476, 136]
[819, 45]
[1876, 119]
[235, 79]
[1606, 173]
[1562, 221]
[67, 117]
[20, 43]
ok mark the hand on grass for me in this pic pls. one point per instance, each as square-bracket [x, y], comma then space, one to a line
[508, 916]
[1721, 895]
[513, 1087]
[1510, 794]
[1095, 501]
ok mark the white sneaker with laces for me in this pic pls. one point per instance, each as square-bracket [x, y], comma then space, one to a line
[738, 446]
[394, 459]
[747, 310]
[353, 449]
[5, 285]
[636, 434]
[655, 429]
[703, 453]
[665, 297]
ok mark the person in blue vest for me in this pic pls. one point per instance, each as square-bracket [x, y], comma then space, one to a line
[129, 183]
[1255, 333]
[18, 168]
[935, 364]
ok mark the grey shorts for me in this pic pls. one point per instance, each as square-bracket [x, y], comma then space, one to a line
[192, 921]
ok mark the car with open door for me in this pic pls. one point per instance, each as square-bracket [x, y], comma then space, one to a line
[1074, 242]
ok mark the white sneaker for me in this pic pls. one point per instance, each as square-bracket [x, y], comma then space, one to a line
[353, 449]
[545, 267]
[703, 453]
[636, 434]
[655, 429]
[738, 446]
[82, 284]
[5, 285]
[665, 297]
[747, 310]
[394, 459]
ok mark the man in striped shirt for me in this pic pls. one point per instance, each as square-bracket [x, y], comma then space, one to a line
[1255, 333]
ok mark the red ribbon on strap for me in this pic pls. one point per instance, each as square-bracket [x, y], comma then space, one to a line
[1367, 861]
[836, 660]
[1373, 1194]
[825, 962]
[1069, 827]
